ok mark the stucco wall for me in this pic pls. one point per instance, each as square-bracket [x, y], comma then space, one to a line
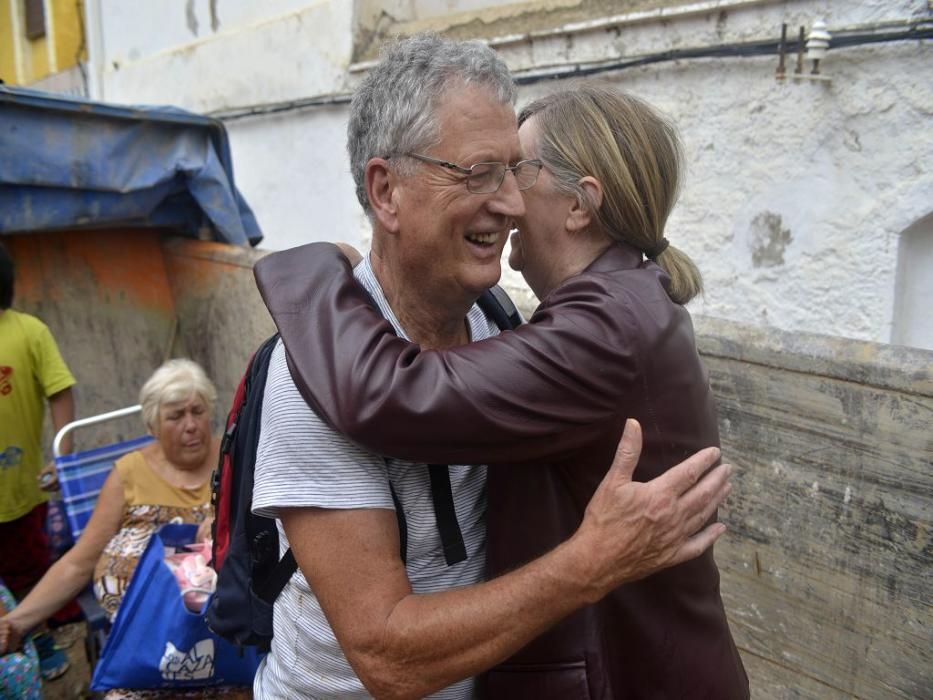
[796, 192]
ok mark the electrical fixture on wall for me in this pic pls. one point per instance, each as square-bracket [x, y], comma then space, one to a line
[814, 46]
[817, 45]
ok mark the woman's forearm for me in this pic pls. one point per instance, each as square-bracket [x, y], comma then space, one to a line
[62, 582]
[553, 386]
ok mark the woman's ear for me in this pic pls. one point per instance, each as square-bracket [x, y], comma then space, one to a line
[583, 208]
[381, 191]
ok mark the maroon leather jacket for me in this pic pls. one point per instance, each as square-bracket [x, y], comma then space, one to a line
[544, 406]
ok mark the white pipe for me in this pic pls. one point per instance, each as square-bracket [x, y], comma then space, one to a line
[119, 413]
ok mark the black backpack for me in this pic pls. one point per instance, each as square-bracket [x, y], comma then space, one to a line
[250, 574]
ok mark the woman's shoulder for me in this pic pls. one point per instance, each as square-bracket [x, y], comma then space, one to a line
[594, 302]
[132, 467]
[131, 460]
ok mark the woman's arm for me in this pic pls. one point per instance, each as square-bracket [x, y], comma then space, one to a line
[65, 579]
[545, 389]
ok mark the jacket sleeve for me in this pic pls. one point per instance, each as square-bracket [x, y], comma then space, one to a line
[544, 389]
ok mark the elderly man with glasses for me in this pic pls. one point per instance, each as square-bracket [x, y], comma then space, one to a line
[436, 158]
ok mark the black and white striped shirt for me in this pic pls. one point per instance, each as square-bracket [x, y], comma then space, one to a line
[301, 462]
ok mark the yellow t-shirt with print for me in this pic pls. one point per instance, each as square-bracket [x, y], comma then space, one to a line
[31, 370]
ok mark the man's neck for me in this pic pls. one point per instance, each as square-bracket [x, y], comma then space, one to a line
[429, 320]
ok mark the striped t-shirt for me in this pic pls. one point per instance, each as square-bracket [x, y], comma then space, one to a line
[301, 462]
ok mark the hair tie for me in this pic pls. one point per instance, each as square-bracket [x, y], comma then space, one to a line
[653, 253]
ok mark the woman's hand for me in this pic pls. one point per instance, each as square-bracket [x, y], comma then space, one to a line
[204, 530]
[11, 638]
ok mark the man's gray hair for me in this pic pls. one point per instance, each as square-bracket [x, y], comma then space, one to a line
[394, 109]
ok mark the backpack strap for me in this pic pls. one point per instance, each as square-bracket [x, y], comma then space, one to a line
[445, 515]
[269, 589]
[402, 524]
[496, 303]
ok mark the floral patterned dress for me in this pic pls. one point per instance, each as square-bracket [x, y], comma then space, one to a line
[19, 671]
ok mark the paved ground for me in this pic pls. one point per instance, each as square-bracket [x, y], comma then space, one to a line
[74, 683]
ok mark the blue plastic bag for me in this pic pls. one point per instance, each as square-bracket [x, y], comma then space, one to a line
[156, 642]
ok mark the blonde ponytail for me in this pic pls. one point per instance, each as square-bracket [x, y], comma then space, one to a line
[686, 281]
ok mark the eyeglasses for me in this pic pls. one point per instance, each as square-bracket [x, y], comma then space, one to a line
[485, 178]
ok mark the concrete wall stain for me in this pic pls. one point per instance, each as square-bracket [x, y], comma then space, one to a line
[215, 18]
[768, 239]
[191, 18]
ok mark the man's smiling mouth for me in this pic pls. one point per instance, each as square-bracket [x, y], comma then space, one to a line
[483, 238]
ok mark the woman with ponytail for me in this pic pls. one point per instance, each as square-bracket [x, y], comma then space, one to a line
[544, 405]
[620, 162]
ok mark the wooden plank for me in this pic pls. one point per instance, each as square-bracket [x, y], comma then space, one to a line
[771, 681]
[826, 566]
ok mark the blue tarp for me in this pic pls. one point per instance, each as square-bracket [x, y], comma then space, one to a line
[68, 163]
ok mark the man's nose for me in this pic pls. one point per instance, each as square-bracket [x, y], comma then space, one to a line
[508, 198]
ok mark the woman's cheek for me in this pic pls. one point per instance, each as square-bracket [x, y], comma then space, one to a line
[516, 256]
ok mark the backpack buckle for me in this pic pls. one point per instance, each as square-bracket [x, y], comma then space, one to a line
[227, 439]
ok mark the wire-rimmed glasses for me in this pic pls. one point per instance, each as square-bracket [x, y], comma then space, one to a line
[487, 177]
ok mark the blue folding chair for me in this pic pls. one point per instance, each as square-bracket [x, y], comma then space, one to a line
[81, 476]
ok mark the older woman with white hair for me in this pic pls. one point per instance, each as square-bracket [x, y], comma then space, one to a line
[165, 481]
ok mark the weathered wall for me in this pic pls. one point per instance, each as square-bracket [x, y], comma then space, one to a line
[827, 558]
[796, 195]
[120, 303]
[105, 296]
[221, 317]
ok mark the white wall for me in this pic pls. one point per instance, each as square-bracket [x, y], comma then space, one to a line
[294, 48]
[796, 194]
[137, 30]
[294, 172]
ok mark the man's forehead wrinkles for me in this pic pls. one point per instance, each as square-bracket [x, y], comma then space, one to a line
[478, 144]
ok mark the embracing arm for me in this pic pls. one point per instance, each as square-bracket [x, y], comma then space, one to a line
[406, 645]
[546, 389]
[71, 573]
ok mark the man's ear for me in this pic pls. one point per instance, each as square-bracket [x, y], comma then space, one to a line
[381, 182]
[583, 209]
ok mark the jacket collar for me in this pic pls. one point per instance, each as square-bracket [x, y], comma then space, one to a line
[618, 256]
